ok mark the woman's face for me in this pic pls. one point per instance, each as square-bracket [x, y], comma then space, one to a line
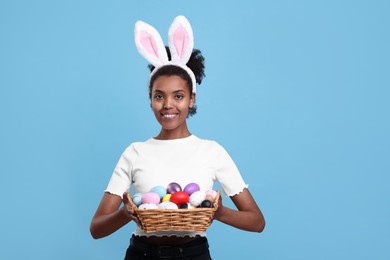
[171, 100]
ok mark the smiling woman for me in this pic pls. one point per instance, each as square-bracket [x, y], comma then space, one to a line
[171, 101]
[174, 155]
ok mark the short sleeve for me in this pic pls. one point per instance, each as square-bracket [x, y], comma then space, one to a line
[227, 173]
[121, 177]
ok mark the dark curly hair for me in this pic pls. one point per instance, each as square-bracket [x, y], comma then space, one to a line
[195, 63]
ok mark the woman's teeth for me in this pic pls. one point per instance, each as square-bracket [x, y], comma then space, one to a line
[169, 115]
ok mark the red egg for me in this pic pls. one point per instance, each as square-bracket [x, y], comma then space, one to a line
[180, 197]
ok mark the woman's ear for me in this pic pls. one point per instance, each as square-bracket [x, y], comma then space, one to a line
[192, 100]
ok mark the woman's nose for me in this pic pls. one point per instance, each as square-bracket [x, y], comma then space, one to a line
[168, 103]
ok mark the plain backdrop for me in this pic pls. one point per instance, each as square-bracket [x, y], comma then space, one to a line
[296, 91]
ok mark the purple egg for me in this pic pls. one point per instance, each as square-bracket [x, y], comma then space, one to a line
[173, 187]
[191, 188]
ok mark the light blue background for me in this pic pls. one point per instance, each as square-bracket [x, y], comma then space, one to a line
[296, 91]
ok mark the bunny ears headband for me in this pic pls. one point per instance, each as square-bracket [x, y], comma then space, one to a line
[180, 42]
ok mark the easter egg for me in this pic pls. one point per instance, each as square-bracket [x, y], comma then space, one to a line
[197, 197]
[148, 206]
[167, 198]
[183, 206]
[137, 200]
[212, 193]
[167, 205]
[173, 187]
[206, 204]
[189, 206]
[160, 190]
[191, 188]
[139, 194]
[150, 197]
[180, 197]
[209, 197]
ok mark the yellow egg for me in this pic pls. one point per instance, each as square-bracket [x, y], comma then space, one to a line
[166, 198]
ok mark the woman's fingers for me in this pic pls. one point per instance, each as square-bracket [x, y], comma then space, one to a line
[130, 212]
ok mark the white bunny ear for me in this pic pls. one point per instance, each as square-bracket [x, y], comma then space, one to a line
[180, 40]
[149, 44]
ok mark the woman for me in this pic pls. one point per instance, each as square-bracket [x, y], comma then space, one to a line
[174, 155]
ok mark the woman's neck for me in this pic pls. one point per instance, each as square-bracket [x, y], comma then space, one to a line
[173, 134]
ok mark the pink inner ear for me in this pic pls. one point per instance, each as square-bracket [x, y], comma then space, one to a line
[148, 43]
[180, 40]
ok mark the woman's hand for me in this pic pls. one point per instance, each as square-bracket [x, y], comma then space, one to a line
[128, 209]
[247, 216]
[110, 216]
[219, 212]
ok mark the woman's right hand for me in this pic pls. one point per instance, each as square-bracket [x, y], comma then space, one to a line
[128, 209]
[110, 216]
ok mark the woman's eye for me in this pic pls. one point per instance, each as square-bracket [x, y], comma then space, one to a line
[158, 96]
[179, 96]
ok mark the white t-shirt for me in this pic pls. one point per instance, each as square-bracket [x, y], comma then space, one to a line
[160, 162]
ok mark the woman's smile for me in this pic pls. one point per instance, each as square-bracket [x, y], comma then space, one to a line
[169, 116]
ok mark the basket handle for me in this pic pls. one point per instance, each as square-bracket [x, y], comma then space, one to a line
[216, 201]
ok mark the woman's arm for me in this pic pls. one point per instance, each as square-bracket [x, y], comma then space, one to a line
[109, 217]
[247, 217]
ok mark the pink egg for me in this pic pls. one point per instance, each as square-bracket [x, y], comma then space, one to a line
[150, 197]
[212, 193]
[191, 188]
[210, 198]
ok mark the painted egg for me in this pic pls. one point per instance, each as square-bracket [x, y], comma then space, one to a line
[189, 206]
[197, 197]
[173, 187]
[148, 206]
[191, 188]
[137, 200]
[167, 198]
[183, 206]
[160, 190]
[212, 193]
[167, 205]
[150, 197]
[139, 194]
[206, 204]
[180, 197]
[210, 198]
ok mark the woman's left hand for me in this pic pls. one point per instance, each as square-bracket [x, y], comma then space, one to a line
[219, 210]
[248, 215]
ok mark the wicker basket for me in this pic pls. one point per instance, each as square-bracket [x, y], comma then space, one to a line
[196, 219]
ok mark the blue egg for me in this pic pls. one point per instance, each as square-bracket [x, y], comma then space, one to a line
[139, 194]
[160, 190]
[137, 200]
